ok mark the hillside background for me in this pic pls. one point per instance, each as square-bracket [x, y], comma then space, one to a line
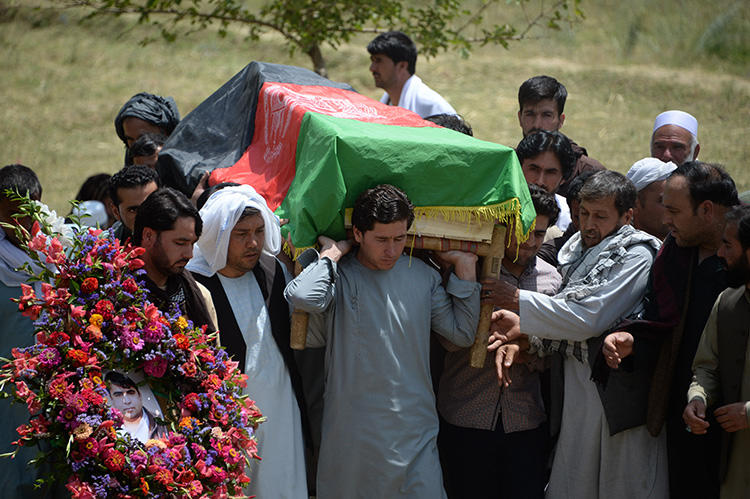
[63, 81]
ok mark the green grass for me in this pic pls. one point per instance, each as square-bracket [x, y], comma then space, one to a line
[63, 82]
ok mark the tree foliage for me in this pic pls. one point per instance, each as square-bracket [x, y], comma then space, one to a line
[307, 25]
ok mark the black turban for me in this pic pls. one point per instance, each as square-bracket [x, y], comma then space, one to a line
[154, 109]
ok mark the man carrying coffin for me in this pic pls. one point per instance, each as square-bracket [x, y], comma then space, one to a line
[373, 309]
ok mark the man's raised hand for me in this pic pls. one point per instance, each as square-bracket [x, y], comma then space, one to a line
[333, 249]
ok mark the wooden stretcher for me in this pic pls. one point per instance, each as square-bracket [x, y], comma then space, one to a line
[484, 238]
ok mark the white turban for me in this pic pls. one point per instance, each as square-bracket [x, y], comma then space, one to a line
[648, 170]
[220, 214]
[679, 118]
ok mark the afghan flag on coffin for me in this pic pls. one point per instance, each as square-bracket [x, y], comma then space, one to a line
[309, 146]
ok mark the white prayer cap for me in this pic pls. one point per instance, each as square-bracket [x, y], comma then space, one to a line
[679, 118]
[649, 170]
[220, 214]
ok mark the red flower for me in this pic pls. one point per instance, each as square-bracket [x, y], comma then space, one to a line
[114, 460]
[164, 477]
[105, 309]
[190, 402]
[135, 264]
[130, 286]
[182, 341]
[89, 447]
[156, 367]
[213, 382]
[28, 293]
[89, 285]
[78, 357]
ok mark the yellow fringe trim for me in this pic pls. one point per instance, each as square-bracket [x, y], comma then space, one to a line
[507, 212]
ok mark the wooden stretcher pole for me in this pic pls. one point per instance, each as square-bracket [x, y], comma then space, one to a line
[490, 268]
[298, 337]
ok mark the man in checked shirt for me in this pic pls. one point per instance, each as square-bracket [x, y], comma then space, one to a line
[487, 429]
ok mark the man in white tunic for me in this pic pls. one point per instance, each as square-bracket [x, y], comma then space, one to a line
[605, 270]
[373, 308]
[393, 60]
[234, 259]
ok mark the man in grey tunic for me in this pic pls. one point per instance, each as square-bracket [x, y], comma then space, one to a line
[373, 308]
[605, 270]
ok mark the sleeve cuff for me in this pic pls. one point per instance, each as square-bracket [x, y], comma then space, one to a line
[460, 288]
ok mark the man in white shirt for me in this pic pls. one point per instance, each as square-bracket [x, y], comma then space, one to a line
[393, 57]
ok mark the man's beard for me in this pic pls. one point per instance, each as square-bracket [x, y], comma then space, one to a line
[162, 263]
[739, 275]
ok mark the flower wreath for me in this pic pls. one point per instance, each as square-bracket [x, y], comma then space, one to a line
[93, 316]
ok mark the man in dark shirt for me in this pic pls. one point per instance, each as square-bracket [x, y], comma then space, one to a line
[686, 278]
[167, 225]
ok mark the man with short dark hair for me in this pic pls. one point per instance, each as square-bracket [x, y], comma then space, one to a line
[373, 308]
[453, 122]
[234, 259]
[128, 188]
[167, 225]
[721, 370]
[547, 160]
[541, 106]
[605, 271]
[493, 439]
[686, 278]
[675, 137]
[125, 396]
[393, 60]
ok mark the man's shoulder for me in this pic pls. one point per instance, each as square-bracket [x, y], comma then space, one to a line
[429, 102]
[733, 296]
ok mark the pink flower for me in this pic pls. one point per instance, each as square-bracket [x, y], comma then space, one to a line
[77, 312]
[38, 242]
[153, 332]
[59, 388]
[78, 489]
[195, 488]
[131, 340]
[49, 357]
[55, 253]
[156, 367]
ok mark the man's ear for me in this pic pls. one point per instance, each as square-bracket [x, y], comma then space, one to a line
[148, 238]
[706, 210]
[627, 216]
[562, 119]
[358, 236]
[402, 66]
[113, 210]
[697, 150]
